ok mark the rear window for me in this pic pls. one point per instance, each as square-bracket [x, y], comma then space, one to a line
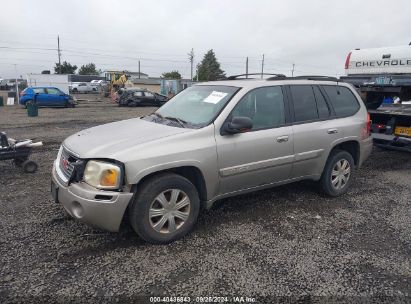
[342, 100]
[305, 107]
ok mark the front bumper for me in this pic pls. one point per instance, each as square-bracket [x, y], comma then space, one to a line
[102, 209]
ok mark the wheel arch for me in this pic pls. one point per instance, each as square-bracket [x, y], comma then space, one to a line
[351, 146]
[192, 173]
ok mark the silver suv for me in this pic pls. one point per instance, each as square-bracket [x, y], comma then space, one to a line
[211, 141]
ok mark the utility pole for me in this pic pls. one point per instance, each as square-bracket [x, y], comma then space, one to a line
[246, 68]
[292, 71]
[58, 52]
[262, 67]
[191, 58]
[139, 69]
[17, 85]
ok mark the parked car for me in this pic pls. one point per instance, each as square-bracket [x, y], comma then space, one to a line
[139, 97]
[3, 84]
[11, 84]
[46, 96]
[98, 83]
[81, 87]
[211, 141]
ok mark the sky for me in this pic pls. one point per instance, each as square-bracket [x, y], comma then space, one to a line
[315, 36]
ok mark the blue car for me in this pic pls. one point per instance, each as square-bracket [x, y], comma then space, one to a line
[46, 97]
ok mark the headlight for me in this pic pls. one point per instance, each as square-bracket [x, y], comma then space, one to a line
[102, 175]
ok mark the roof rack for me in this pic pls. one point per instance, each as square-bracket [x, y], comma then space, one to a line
[307, 77]
[234, 77]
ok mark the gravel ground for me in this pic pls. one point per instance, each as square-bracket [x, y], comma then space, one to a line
[284, 244]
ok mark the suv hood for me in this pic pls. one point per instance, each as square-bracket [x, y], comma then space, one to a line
[105, 141]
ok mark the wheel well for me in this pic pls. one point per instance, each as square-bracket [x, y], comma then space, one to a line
[352, 147]
[193, 174]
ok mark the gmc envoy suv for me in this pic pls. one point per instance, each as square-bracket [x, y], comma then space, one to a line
[213, 140]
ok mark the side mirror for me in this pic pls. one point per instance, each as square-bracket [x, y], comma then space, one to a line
[238, 125]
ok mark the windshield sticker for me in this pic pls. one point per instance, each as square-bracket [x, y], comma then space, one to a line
[215, 97]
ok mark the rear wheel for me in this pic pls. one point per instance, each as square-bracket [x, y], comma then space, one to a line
[164, 209]
[337, 174]
[29, 166]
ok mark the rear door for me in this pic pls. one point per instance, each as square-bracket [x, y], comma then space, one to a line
[262, 155]
[314, 129]
[40, 96]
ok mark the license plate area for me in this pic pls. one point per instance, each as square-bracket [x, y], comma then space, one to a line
[403, 131]
[54, 192]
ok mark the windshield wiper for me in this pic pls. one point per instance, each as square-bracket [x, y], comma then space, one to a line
[181, 122]
[158, 115]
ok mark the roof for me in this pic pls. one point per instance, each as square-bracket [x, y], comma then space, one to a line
[124, 71]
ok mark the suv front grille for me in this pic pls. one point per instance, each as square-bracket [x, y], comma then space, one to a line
[67, 163]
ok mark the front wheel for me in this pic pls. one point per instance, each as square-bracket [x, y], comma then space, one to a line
[165, 208]
[337, 174]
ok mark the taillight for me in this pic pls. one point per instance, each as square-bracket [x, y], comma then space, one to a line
[22, 93]
[347, 61]
[368, 126]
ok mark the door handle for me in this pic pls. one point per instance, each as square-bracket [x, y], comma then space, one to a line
[332, 131]
[281, 139]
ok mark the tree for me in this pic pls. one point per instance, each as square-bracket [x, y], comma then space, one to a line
[209, 68]
[172, 75]
[65, 68]
[88, 69]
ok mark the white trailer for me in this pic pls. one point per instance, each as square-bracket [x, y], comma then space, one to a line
[60, 81]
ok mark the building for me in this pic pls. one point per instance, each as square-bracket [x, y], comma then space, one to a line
[131, 75]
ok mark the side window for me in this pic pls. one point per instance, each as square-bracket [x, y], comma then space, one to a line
[53, 91]
[305, 107]
[342, 100]
[138, 94]
[38, 91]
[265, 107]
[322, 107]
[148, 94]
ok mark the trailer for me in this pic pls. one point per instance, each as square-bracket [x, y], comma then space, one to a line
[60, 81]
[382, 76]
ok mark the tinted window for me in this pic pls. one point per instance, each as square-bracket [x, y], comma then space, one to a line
[305, 107]
[322, 107]
[342, 100]
[265, 107]
[138, 94]
[148, 94]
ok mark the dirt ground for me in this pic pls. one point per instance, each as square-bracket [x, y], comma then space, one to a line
[285, 244]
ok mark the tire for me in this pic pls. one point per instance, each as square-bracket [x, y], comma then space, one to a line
[29, 166]
[75, 91]
[131, 103]
[70, 105]
[158, 228]
[338, 173]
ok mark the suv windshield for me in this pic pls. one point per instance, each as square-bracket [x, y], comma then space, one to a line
[197, 105]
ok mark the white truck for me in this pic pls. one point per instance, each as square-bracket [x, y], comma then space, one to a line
[82, 87]
[383, 78]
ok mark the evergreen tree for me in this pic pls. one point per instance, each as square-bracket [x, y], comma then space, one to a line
[65, 68]
[209, 68]
[88, 69]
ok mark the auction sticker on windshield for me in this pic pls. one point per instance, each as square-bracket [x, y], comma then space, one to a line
[215, 97]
